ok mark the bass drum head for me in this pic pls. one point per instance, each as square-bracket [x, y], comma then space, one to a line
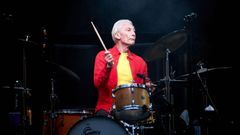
[98, 125]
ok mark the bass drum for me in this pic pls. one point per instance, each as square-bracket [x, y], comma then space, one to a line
[98, 125]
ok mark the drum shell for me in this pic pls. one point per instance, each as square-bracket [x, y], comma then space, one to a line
[131, 102]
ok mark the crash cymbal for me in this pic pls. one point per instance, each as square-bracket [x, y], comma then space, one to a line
[203, 70]
[65, 69]
[171, 41]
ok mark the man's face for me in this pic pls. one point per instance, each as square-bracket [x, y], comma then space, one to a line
[127, 34]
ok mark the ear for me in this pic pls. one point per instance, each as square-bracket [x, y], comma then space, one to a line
[117, 35]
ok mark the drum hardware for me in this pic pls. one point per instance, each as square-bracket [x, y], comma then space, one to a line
[167, 43]
[209, 104]
[54, 68]
[20, 113]
[26, 111]
[202, 70]
[53, 98]
[205, 88]
[162, 48]
[168, 94]
[135, 129]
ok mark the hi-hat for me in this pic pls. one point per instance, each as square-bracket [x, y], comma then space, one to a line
[171, 41]
[203, 70]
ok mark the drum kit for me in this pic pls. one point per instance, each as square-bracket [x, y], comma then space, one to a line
[132, 112]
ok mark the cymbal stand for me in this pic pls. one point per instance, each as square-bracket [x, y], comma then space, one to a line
[169, 98]
[136, 128]
[207, 97]
[53, 98]
[25, 109]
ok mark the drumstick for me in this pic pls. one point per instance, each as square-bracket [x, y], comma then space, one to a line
[99, 36]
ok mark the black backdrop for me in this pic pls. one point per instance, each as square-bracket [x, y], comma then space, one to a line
[72, 44]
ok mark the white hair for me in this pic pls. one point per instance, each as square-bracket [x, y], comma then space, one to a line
[117, 25]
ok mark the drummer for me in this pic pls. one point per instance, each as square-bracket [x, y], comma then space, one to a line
[117, 66]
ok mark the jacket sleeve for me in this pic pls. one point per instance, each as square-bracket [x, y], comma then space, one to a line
[101, 72]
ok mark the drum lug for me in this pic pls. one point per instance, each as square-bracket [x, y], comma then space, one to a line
[133, 101]
[132, 90]
[150, 106]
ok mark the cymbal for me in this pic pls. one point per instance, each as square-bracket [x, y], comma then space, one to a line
[171, 80]
[27, 42]
[15, 88]
[171, 41]
[65, 69]
[203, 70]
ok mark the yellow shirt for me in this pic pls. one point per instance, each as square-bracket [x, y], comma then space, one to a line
[123, 70]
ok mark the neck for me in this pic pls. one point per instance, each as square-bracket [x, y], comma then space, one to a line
[122, 48]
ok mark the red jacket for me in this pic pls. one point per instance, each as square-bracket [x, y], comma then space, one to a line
[105, 79]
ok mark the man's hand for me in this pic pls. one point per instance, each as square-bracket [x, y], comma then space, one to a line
[109, 59]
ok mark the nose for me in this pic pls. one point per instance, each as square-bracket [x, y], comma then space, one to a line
[133, 34]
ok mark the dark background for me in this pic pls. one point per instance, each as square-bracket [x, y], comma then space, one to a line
[72, 45]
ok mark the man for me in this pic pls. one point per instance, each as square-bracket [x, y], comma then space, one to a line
[117, 66]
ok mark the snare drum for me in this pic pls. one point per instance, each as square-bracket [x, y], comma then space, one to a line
[131, 102]
[64, 119]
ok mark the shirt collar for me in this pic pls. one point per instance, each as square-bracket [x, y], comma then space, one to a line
[115, 49]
